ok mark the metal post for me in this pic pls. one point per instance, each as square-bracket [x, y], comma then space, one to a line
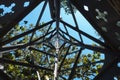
[1, 65]
[38, 75]
[56, 59]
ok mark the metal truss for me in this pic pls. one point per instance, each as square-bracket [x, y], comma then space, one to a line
[110, 48]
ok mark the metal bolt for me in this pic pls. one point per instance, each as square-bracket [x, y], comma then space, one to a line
[118, 23]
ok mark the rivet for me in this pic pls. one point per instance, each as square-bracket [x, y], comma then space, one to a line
[118, 23]
[104, 29]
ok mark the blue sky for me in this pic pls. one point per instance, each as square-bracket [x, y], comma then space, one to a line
[84, 25]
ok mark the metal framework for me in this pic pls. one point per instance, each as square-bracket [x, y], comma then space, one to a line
[104, 15]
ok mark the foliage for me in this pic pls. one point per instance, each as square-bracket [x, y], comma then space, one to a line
[25, 55]
[34, 57]
[65, 5]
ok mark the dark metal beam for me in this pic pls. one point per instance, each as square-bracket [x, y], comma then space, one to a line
[98, 49]
[52, 34]
[110, 39]
[4, 76]
[25, 33]
[24, 45]
[92, 63]
[78, 43]
[65, 28]
[48, 29]
[52, 8]
[72, 12]
[74, 66]
[67, 40]
[62, 77]
[62, 46]
[23, 64]
[39, 18]
[61, 64]
[106, 68]
[48, 45]
[73, 52]
[83, 33]
[8, 27]
[47, 39]
[43, 52]
[57, 11]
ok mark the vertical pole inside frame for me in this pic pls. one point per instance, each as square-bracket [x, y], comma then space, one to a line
[56, 59]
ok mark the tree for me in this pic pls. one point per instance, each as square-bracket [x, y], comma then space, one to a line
[66, 6]
[85, 68]
[34, 57]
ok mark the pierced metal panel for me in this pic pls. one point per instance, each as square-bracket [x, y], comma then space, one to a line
[104, 19]
[12, 11]
[104, 15]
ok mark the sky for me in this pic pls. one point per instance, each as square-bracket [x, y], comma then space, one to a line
[83, 24]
